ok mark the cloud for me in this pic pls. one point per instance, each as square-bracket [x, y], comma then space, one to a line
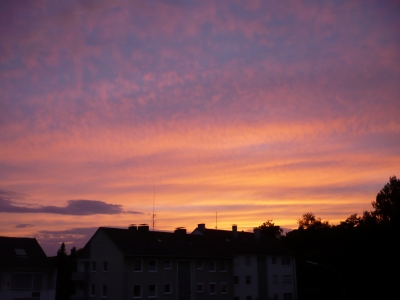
[24, 225]
[74, 207]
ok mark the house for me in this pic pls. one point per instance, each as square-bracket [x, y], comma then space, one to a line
[137, 263]
[25, 271]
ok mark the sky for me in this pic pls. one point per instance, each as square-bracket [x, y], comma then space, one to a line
[248, 110]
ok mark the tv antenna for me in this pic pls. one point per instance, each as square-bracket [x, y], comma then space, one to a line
[216, 219]
[153, 216]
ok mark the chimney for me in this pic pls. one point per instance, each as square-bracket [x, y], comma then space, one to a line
[143, 228]
[132, 227]
[234, 230]
[201, 227]
[180, 230]
[257, 233]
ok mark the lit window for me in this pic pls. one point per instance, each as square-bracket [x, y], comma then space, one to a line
[104, 291]
[200, 287]
[137, 265]
[152, 291]
[224, 288]
[287, 279]
[105, 266]
[93, 266]
[137, 291]
[152, 265]
[167, 288]
[167, 264]
[212, 288]
[248, 279]
[211, 266]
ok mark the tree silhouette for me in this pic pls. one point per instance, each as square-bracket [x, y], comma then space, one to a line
[309, 221]
[387, 203]
[270, 231]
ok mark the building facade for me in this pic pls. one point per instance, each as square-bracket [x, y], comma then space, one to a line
[136, 263]
[25, 271]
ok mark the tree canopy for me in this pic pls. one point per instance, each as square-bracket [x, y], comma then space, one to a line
[387, 203]
[269, 230]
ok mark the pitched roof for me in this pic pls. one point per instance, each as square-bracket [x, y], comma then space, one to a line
[155, 243]
[212, 243]
[246, 242]
[21, 253]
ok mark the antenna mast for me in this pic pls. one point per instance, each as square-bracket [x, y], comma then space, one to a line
[216, 219]
[154, 199]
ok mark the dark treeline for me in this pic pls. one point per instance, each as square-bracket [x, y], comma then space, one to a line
[356, 259]
[66, 264]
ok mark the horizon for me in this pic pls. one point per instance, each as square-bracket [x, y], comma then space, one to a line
[257, 111]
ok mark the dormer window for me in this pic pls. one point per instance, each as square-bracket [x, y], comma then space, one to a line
[20, 252]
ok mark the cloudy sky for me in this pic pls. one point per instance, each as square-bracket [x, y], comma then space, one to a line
[256, 110]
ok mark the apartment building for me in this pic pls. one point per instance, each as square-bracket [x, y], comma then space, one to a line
[136, 263]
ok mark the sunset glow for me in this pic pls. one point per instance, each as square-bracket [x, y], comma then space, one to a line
[253, 110]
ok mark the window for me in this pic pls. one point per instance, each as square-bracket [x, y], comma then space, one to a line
[137, 265]
[274, 260]
[211, 266]
[275, 279]
[249, 298]
[236, 298]
[287, 279]
[287, 296]
[137, 291]
[92, 290]
[167, 264]
[247, 260]
[21, 281]
[104, 291]
[286, 261]
[199, 264]
[167, 288]
[200, 287]
[152, 265]
[276, 296]
[152, 291]
[236, 261]
[37, 282]
[248, 279]
[224, 288]
[20, 252]
[235, 279]
[212, 288]
[105, 266]
[93, 266]
[223, 266]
